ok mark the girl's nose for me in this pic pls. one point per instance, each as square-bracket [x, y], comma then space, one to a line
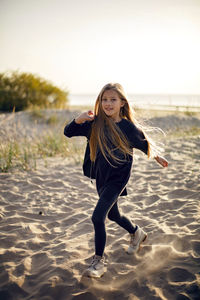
[108, 102]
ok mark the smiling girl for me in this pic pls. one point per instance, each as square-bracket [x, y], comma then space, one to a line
[112, 133]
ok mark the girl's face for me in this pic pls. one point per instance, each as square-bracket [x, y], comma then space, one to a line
[111, 104]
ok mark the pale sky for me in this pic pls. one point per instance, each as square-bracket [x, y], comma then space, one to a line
[149, 46]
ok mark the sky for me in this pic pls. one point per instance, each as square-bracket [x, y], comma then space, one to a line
[149, 46]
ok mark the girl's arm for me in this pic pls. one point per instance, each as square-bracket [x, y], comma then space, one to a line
[79, 126]
[137, 138]
[162, 161]
[139, 141]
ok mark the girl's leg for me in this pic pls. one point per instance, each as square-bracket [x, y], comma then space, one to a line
[122, 221]
[136, 233]
[107, 199]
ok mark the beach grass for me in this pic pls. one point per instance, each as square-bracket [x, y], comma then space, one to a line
[24, 154]
[38, 115]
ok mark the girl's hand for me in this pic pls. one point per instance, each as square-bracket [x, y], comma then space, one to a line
[85, 116]
[162, 161]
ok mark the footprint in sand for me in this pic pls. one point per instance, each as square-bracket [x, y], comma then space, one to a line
[180, 275]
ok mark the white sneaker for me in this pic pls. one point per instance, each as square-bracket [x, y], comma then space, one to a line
[136, 239]
[96, 269]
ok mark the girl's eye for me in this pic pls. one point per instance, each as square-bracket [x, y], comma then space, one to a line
[112, 100]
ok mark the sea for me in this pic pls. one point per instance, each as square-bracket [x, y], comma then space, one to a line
[169, 102]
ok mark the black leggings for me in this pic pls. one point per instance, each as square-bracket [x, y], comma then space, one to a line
[107, 205]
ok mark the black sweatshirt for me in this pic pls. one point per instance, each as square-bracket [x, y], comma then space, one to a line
[116, 174]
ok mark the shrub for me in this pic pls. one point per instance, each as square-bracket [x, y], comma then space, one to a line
[19, 91]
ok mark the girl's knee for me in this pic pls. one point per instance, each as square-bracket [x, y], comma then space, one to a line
[96, 219]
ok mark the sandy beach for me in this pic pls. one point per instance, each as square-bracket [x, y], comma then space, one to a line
[46, 233]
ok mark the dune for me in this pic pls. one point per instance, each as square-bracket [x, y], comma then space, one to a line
[47, 239]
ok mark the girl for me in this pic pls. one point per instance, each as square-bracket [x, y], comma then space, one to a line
[112, 134]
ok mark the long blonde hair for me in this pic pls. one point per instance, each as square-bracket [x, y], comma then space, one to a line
[101, 122]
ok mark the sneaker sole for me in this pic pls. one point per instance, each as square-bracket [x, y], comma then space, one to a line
[90, 275]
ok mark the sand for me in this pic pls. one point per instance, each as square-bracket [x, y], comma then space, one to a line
[47, 239]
